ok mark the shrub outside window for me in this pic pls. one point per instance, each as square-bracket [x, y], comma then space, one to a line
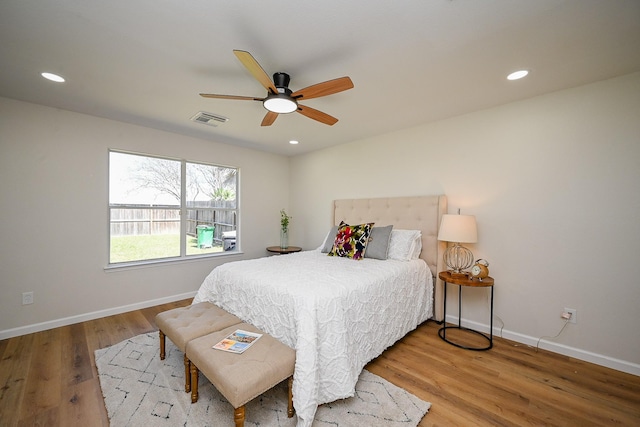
[162, 208]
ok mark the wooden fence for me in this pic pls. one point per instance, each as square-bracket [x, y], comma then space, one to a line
[132, 221]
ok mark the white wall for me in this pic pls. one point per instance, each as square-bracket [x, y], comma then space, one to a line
[53, 232]
[554, 183]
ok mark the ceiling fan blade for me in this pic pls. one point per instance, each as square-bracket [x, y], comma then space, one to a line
[269, 119]
[314, 114]
[323, 89]
[256, 70]
[242, 98]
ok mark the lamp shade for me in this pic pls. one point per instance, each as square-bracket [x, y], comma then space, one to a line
[458, 229]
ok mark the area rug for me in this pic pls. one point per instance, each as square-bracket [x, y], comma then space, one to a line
[139, 389]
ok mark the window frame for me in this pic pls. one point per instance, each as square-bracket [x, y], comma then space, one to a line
[182, 208]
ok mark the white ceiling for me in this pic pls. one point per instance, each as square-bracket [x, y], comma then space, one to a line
[411, 61]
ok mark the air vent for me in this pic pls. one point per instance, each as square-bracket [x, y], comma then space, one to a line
[209, 118]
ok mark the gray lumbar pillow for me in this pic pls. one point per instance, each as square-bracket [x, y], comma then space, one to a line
[378, 246]
[328, 242]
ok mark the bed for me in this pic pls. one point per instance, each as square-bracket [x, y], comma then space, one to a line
[336, 312]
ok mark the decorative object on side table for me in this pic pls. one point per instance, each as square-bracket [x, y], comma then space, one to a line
[480, 270]
[458, 229]
[284, 229]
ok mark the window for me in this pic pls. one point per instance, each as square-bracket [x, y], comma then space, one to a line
[165, 208]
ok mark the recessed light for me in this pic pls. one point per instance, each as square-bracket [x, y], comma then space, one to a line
[53, 77]
[293, 142]
[517, 75]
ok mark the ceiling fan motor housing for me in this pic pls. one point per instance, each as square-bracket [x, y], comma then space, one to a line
[281, 80]
[281, 102]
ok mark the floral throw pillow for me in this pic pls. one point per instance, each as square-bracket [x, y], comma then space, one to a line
[351, 241]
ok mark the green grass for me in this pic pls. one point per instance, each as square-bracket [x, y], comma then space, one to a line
[143, 247]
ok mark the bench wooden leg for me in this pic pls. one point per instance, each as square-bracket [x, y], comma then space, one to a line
[238, 416]
[194, 383]
[162, 353]
[187, 374]
[290, 410]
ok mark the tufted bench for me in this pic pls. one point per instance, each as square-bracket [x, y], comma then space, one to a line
[242, 377]
[183, 324]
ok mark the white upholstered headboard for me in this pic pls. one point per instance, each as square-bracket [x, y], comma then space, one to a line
[413, 213]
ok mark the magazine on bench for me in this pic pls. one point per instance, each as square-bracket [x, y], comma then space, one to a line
[238, 341]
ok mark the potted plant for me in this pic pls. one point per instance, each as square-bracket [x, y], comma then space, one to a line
[284, 229]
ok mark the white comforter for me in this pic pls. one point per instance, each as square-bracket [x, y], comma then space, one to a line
[337, 313]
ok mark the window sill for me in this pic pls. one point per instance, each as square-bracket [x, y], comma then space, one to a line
[123, 266]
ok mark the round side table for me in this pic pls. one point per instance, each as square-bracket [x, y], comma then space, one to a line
[487, 282]
[283, 251]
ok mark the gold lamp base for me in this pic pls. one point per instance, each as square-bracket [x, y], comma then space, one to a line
[457, 258]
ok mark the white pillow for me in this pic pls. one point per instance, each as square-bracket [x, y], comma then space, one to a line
[405, 245]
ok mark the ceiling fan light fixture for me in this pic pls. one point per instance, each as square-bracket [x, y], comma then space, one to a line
[280, 103]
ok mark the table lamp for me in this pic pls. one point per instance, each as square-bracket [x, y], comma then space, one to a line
[458, 229]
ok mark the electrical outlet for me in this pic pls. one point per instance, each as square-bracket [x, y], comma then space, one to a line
[27, 298]
[573, 312]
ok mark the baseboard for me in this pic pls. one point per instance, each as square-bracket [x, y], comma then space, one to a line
[37, 327]
[587, 356]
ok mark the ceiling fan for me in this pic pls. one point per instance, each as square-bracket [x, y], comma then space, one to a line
[280, 99]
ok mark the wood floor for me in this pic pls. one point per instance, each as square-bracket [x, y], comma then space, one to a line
[49, 379]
